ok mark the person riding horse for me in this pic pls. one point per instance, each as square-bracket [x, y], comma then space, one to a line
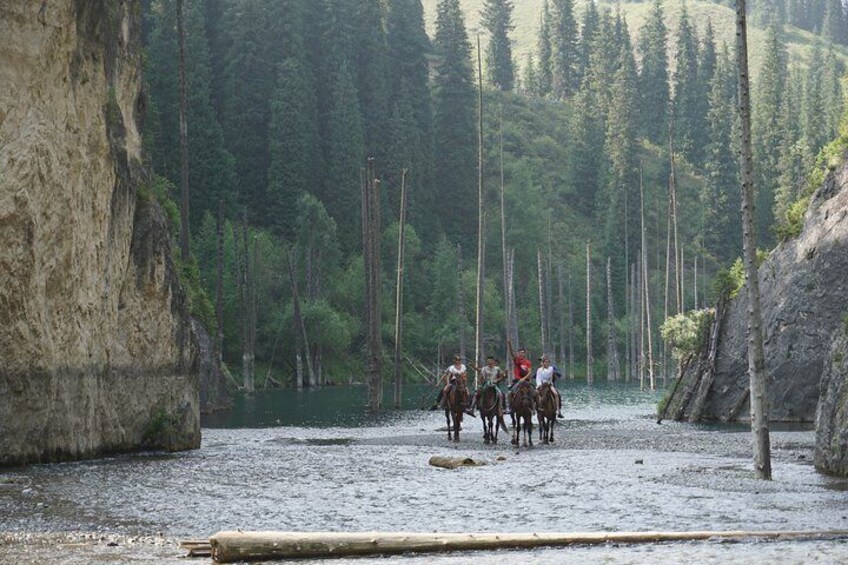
[492, 375]
[451, 374]
[548, 374]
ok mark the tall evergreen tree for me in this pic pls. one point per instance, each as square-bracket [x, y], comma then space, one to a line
[497, 19]
[293, 146]
[210, 164]
[813, 110]
[530, 80]
[545, 48]
[588, 29]
[720, 197]
[653, 77]
[765, 128]
[834, 25]
[408, 43]
[792, 166]
[454, 122]
[345, 157]
[685, 103]
[564, 48]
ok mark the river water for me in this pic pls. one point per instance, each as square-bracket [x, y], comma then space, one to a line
[313, 461]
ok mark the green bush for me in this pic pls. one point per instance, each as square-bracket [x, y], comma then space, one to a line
[161, 430]
[199, 303]
[792, 224]
[687, 332]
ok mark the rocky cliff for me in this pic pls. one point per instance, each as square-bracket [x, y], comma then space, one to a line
[832, 413]
[804, 285]
[97, 353]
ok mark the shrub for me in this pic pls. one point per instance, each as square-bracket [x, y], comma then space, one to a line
[687, 332]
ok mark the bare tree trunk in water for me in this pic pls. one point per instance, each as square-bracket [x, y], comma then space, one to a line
[301, 339]
[219, 284]
[672, 213]
[460, 302]
[590, 358]
[570, 328]
[756, 360]
[399, 292]
[631, 324]
[513, 307]
[185, 245]
[646, 282]
[695, 280]
[506, 284]
[371, 243]
[561, 302]
[627, 283]
[249, 318]
[640, 293]
[613, 367]
[542, 308]
[481, 224]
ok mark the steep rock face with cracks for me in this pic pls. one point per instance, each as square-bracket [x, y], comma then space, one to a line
[832, 413]
[804, 285]
[98, 350]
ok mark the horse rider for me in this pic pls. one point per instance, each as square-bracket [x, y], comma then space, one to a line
[451, 374]
[492, 375]
[548, 374]
[522, 368]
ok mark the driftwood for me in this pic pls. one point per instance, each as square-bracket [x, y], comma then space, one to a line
[454, 462]
[228, 547]
[197, 548]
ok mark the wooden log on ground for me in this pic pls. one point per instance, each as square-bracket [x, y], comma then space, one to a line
[454, 462]
[197, 548]
[228, 547]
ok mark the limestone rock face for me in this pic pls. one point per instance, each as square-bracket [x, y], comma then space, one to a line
[804, 286]
[96, 347]
[832, 413]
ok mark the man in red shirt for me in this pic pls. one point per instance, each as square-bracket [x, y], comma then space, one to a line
[521, 367]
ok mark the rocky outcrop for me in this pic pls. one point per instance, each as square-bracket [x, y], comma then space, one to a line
[832, 413]
[804, 286]
[98, 353]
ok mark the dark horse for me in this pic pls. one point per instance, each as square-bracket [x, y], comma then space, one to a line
[455, 400]
[546, 413]
[523, 402]
[491, 413]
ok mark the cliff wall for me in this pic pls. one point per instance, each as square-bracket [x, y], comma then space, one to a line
[97, 352]
[804, 286]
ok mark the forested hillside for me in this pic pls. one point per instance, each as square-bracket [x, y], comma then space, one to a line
[287, 99]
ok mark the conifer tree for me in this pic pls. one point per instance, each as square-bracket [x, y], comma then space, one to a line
[586, 156]
[791, 163]
[345, 156]
[293, 146]
[545, 48]
[813, 111]
[765, 128]
[210, 164]
[408, 43]
[719, 198]
[497, 19]
[530, 80]
[653, 76]
[685, 102]
[833, 26]
[454, 122]
[564, 48]
[588, 29]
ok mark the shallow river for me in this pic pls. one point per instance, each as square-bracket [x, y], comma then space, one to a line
[315, 461]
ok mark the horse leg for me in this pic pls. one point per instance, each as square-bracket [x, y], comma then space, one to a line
[553, 423]
[448, 419]
[515, 429]
[530, 430]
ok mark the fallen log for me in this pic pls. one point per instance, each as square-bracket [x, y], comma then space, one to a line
[228, 547]
[454, 462]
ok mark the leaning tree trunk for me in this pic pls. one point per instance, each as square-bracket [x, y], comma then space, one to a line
[301, 339]
[756, 361]
[481, 224]
[185, 246]
[590, 358]
[646, 292]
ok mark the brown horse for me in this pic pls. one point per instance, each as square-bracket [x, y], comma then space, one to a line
[491, 413]
[522, 399]
[546, 412]
[455, 401]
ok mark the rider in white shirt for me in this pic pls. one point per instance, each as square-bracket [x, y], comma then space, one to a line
[547, 374]
[451, 374]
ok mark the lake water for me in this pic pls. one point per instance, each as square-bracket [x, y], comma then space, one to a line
[315, 460]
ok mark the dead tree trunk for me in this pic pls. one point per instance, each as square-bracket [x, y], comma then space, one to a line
[481, 224]
[570, 328]
[613, 367]
[627, 283]
[590, 358]
[646, 292]
[756, 360]
[249, 316]
[460, 302]
[542, 307]
[219, 284]
[631, 324]
[506, 284]
[561, 302]
[185, 245]
[399, 292]
[301, 339]
[513, 306]
[371, 245]
[640, 295]
[672, 211]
